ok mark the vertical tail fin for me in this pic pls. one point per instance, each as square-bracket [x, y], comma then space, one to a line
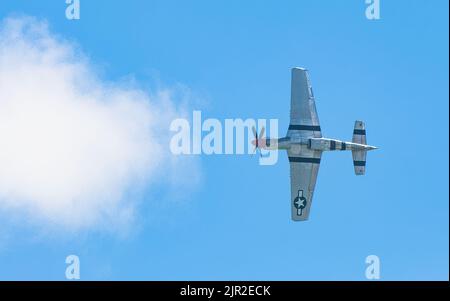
[359, 156]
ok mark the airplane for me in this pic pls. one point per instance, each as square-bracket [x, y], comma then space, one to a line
[304, 144]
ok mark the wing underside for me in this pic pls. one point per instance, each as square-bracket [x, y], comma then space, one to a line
[304, 163]
[304, 120]
[304, 171]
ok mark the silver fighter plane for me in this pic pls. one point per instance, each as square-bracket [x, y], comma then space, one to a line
[304, 144]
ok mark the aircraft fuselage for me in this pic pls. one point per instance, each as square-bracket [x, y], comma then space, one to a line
[322, 144]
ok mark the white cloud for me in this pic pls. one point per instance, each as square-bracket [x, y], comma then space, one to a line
[73, 148]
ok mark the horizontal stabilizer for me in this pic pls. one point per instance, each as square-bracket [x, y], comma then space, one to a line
[359, 161]
[359, 156]
[359, 132]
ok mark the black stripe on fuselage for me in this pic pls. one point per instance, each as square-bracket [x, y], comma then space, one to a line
[359, 163]
[302, 127]
[304, 160]
[359, 132]
[332, 145]
[343, 146]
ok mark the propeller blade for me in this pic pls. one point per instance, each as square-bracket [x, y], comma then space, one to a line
[261, 134]
[255, 134]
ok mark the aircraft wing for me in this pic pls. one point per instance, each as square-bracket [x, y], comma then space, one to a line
[304, 170]
[304, 119]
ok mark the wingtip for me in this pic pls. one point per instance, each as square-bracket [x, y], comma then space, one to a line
[299, 69]
[296, 219]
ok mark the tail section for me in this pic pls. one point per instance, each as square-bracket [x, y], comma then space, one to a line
[359, 156]
[359, 132]
[359, 161]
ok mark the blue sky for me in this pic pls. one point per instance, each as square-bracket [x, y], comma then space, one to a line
[235, 224]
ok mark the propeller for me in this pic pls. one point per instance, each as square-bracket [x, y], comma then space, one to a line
[256, 141]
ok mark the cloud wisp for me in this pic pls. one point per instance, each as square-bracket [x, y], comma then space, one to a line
[73, 147]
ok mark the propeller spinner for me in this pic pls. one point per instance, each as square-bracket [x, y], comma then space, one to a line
[258, 141]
